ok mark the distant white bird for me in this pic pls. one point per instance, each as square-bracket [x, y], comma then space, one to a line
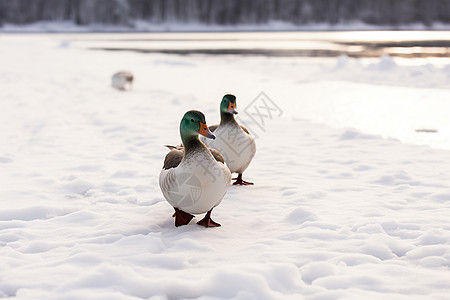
[122, 80]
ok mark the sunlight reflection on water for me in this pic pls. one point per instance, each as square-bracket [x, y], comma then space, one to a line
[359, 44]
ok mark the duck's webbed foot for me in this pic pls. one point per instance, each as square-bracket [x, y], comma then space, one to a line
[239, 181]
[181, 217]
[207, 221]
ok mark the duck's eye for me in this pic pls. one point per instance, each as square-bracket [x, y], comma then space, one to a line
[192, 120]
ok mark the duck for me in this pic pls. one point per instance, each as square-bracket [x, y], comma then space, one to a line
[233, 141]
[194, 179]
[122, 80]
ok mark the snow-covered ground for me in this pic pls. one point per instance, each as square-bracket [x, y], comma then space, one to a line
[349, 201]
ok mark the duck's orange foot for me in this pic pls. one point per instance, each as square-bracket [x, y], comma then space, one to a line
[181, 217]
[239, 181]
[207, 221]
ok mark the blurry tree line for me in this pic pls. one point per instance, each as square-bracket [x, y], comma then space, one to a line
[226, 12]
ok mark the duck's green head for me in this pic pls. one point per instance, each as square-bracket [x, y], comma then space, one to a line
[228, 104]
[194, 123]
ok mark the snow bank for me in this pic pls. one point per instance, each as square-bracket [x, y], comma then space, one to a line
[194, 26]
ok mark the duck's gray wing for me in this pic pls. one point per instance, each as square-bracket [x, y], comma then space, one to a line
[179, 147]
[217, 155]
[173, 158]
[213, 127]
[245, 129]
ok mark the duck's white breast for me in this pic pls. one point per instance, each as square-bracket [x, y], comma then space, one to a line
[196, 185]
[236, 146]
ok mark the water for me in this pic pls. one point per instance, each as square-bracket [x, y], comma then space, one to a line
[358, 44]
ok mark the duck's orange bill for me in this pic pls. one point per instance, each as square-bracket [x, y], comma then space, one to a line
[204, 130]
[232, 108]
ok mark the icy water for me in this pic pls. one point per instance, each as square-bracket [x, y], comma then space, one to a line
[406, 44]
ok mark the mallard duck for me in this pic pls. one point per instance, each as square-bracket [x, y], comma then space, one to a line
[122, 80]
[233, 141]
[194, 179]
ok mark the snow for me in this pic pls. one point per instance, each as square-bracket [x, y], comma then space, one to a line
[349, 201]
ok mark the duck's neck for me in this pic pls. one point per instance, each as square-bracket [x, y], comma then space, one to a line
[192, 145]
[227, 118]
